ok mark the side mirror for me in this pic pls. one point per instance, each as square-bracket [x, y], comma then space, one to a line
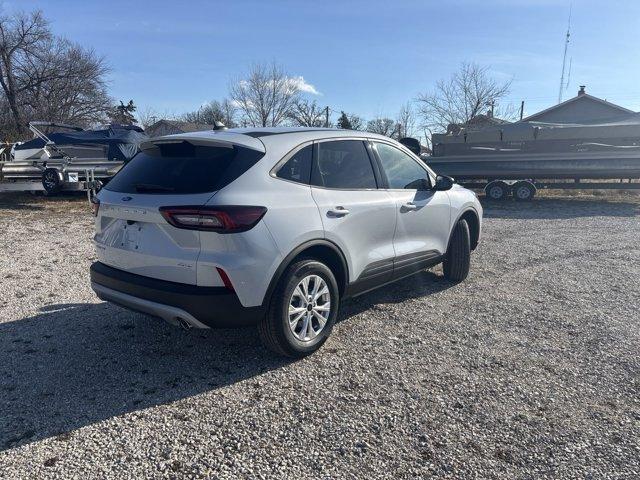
[443, 183]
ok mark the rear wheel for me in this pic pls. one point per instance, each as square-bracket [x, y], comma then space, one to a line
[458, 257]
[524, 191]
[302, 311]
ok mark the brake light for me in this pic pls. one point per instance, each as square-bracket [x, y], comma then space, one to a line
[227, 219]
[95, 206]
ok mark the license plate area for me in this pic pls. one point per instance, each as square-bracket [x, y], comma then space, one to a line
[131, 235]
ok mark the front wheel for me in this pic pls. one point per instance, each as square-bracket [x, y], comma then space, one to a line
[497, 190]
[458, 257]
[302, 311]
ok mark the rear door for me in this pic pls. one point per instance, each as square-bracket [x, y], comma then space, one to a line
[132, 235]
[422, 229]
[356, 215]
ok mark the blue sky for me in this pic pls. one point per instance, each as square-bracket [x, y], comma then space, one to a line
[363, 57]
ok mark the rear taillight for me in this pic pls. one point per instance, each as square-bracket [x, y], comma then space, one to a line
[95, 206]
[228, 219]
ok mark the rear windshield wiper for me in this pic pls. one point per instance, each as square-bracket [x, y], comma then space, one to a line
[149, 187]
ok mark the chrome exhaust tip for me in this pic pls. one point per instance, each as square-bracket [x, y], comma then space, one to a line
[186, 326]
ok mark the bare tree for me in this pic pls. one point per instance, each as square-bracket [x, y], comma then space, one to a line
[147, 116]
[467, 93]
[357, 122]
[266, 96]
[215, 111]
[21, 37]
[229, 113]
[68, 86]
[382, 126]
[47, 77]
[406, 121]
[307, 114]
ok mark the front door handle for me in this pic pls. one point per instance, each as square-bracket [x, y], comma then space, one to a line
[409, 206]
[338, 212]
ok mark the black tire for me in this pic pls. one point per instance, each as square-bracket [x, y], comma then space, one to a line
[274, 329]
[524, 191]
[497, 190]
[51, 181]
[458, 257]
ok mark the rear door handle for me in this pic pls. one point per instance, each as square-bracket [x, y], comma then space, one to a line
[338, 212]
[409, 206]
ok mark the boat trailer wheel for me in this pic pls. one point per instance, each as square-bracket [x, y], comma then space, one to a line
[524, 191]
[497, 190]
[51, 180]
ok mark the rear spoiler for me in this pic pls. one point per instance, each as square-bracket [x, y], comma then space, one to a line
[219, 138]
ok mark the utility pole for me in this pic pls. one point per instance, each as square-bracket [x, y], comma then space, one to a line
[521, 109]
[326, 117]
[564, 58]
[491, 104]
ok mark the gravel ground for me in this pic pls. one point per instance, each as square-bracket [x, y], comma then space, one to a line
[529, 369]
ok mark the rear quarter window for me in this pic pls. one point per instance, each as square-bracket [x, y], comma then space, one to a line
[298, 167]
[183, 168]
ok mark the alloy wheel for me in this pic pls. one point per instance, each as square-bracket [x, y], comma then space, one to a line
[309, 308]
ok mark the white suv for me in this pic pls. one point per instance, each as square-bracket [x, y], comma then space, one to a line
[274, 226]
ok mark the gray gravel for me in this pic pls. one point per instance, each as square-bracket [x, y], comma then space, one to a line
[530, 369]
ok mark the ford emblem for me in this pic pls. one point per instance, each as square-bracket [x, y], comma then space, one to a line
[126, 199]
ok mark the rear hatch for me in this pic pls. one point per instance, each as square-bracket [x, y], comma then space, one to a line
[184, 170]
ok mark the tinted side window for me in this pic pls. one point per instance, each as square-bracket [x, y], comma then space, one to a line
[402, 171]
[298, 167]
[343, 164]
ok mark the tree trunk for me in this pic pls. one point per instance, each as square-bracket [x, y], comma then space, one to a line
[8, 85]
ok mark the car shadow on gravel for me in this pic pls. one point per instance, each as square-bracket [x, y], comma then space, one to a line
[416, 286]
[552, 208]
[76, 364]
[73, 365]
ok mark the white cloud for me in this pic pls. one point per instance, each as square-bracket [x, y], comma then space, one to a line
[304, 86]
[298, 82]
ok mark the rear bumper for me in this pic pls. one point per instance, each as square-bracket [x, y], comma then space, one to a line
[201, 307]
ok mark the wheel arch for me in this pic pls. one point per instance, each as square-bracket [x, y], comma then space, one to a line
[473, 220]
[322, 249]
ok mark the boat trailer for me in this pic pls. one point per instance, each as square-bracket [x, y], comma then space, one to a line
[66, 181]
[525, 190]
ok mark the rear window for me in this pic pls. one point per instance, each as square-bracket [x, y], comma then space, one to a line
[183, 168]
